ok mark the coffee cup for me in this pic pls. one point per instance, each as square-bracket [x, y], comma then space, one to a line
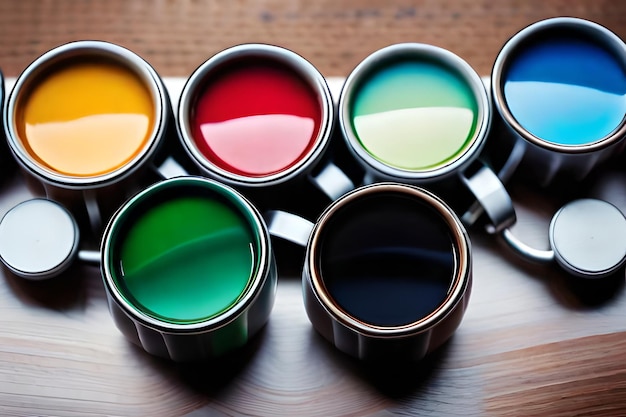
[558, 86]
[419, 114]
[187, 264]
[387, 271]
[257, 116]
[188, 269]
[85, 120]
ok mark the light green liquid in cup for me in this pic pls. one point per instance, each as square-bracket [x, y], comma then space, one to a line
[414, 115]
[187, 259]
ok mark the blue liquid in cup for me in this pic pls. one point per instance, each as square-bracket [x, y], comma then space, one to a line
[566, 90]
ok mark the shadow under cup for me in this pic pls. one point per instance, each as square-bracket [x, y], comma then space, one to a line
[188, 269]
[387, 273]
[84, 118]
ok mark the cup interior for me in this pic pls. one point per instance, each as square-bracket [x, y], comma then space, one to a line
[414, 111]
[255, 114]
[184, 252]
[389, 259]
[560, 83]
[85, 112]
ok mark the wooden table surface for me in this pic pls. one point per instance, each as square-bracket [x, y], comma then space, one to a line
[533, 341]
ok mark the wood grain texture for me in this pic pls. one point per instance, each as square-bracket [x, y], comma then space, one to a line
[176, 36]
[533, 342]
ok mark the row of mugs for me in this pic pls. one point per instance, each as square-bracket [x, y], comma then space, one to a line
[188, 262]
[256, 116]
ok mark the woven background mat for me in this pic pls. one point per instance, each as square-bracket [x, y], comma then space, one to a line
[176, 36]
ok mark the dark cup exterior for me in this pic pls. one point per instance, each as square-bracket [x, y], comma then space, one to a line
[204, 341]
[94, 196]
[203, 344]
[408, 344]
[7, 163]
[542, 161]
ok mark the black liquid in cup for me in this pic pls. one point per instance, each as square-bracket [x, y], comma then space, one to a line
[382, 264]
[387, 273]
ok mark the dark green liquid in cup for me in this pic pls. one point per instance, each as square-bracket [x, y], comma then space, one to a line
[186, 259]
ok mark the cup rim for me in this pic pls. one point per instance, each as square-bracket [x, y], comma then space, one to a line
[256, 280]
[304, 69]
[443, 57]
[459, 283]
[595, 31]
[78, 50]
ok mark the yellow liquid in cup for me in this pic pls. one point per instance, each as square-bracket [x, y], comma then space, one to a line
[86, 118]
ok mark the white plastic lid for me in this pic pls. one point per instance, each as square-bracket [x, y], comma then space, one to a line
[588, 237]
[38, 239]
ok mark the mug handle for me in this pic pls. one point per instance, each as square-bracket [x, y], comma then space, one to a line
[493, 200]
[332, 181]
[288, 226]
[503, 176]
[543, 256]
[169, 168]
[492, 196]
[93, 210]
[577, 231]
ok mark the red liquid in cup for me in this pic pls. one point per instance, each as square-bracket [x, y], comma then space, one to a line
[255, 119]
